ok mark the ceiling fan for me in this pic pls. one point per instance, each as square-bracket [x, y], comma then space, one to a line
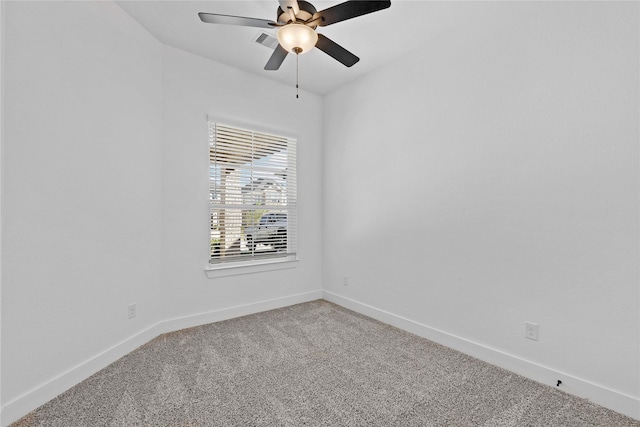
[297, 22]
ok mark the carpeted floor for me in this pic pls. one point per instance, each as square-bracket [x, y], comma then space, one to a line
[313, 364]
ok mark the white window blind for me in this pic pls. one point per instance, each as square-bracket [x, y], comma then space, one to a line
[252, 201]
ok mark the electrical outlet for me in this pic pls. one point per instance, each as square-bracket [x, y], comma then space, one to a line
[132, 311]
[531, 331]
[345, 280]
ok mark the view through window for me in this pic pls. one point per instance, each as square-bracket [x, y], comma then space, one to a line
[252, 200]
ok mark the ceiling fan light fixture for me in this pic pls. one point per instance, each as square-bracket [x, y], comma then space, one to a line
[297, 38]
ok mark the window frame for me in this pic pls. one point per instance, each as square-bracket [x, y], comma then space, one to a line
[252, 265]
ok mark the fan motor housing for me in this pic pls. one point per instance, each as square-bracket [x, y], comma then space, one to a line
[306, 12]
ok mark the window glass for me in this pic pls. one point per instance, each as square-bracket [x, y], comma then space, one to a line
[252, 181]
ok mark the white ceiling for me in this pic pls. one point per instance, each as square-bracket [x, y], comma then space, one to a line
[377, 38]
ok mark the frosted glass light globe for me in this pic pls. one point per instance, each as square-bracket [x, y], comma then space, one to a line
[299, 36]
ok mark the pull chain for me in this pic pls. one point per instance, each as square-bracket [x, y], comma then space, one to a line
[297, 51]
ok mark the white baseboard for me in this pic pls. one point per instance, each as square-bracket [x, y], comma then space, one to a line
[178, 323]
[22, 405]
[600, 395]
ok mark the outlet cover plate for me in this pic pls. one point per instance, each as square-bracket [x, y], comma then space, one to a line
[132, 311]
[531, 331]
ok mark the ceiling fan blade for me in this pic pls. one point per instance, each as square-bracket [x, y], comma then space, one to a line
[285, 4]
[348, 10]
[215, 18]
[336, 51]
[276, 59]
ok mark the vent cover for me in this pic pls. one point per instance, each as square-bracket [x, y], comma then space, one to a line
[266, 40]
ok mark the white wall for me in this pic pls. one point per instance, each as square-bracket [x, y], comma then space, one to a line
[105, 197]
[1, 176]
[482, 182]
[194, 87]
[82, 187]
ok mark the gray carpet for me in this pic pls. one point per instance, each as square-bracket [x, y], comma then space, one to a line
[313, 364]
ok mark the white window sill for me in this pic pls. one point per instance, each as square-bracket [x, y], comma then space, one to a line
[232, 270]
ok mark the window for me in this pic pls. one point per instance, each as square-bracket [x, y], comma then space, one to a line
[252, 200]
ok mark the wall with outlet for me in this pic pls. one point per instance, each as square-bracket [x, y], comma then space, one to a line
[491, 178]
[105, 193]
[81, 187]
